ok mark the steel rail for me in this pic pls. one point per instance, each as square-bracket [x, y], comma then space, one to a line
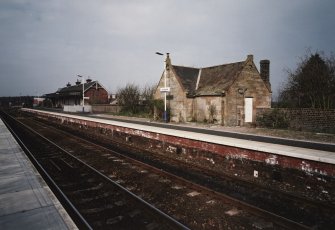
[280, 220]
[74, 213]
[277, 218]
[150, 206]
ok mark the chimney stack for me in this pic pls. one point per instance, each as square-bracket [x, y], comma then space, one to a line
[78, 82]
[250, 57]
[167, 61]
[88, 80]
[68, 84]
[265, 70]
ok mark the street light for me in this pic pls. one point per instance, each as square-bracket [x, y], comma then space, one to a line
[82, 81]
[165, 89]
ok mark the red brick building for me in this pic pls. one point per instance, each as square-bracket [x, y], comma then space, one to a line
[94, 93]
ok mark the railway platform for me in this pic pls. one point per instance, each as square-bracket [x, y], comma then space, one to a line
[26, 202]
[309, 150]
[303, 155]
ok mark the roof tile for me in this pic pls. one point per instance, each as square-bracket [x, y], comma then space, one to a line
[213, 80]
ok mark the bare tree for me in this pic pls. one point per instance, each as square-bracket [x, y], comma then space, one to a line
[148, 92]
[312, 84]
[129, 98]
[148, 99]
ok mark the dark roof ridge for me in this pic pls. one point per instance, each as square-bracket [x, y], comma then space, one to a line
[186, 67]
[232, 63]
[238, 62]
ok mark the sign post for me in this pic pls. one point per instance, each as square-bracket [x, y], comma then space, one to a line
[165, 89]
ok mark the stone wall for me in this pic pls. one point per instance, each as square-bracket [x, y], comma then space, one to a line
[248, 85]
[202, 113]
[176, 98]
[307, 119]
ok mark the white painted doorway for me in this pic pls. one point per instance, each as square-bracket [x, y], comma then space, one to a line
[248, 109]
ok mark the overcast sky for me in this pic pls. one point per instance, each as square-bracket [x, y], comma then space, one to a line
[45, 44]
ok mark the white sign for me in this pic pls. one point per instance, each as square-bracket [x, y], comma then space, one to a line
[86, 97]
[165, 89]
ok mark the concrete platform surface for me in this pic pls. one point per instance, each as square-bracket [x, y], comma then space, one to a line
[26, 202]
[272, 147]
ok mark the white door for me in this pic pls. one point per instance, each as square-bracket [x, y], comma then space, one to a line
[248, 109]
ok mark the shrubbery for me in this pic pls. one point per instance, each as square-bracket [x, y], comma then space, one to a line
[275, 118]
[140, 103]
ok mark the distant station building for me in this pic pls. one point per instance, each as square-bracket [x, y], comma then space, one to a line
[38, 101]
[228, 94]
[71, 95]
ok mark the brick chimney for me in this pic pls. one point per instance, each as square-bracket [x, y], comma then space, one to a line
[88, 80]
[265, 70]
[78, 82]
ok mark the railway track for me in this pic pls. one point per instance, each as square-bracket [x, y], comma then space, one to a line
[311, 213]
[214, 210]
[92, 199]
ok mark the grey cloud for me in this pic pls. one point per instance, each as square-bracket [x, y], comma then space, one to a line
[44, 44]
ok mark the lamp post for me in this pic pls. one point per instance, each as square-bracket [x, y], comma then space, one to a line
[165, 89]
[82, 81]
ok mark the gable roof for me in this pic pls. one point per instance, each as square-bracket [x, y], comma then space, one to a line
[74, 89]
[217, 79]
[210, 80]
[188, 77]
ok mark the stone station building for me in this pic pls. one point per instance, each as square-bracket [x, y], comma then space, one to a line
[227, 94]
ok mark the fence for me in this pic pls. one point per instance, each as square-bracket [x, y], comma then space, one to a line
[305, 119]
[106, 108]
[77, 108]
